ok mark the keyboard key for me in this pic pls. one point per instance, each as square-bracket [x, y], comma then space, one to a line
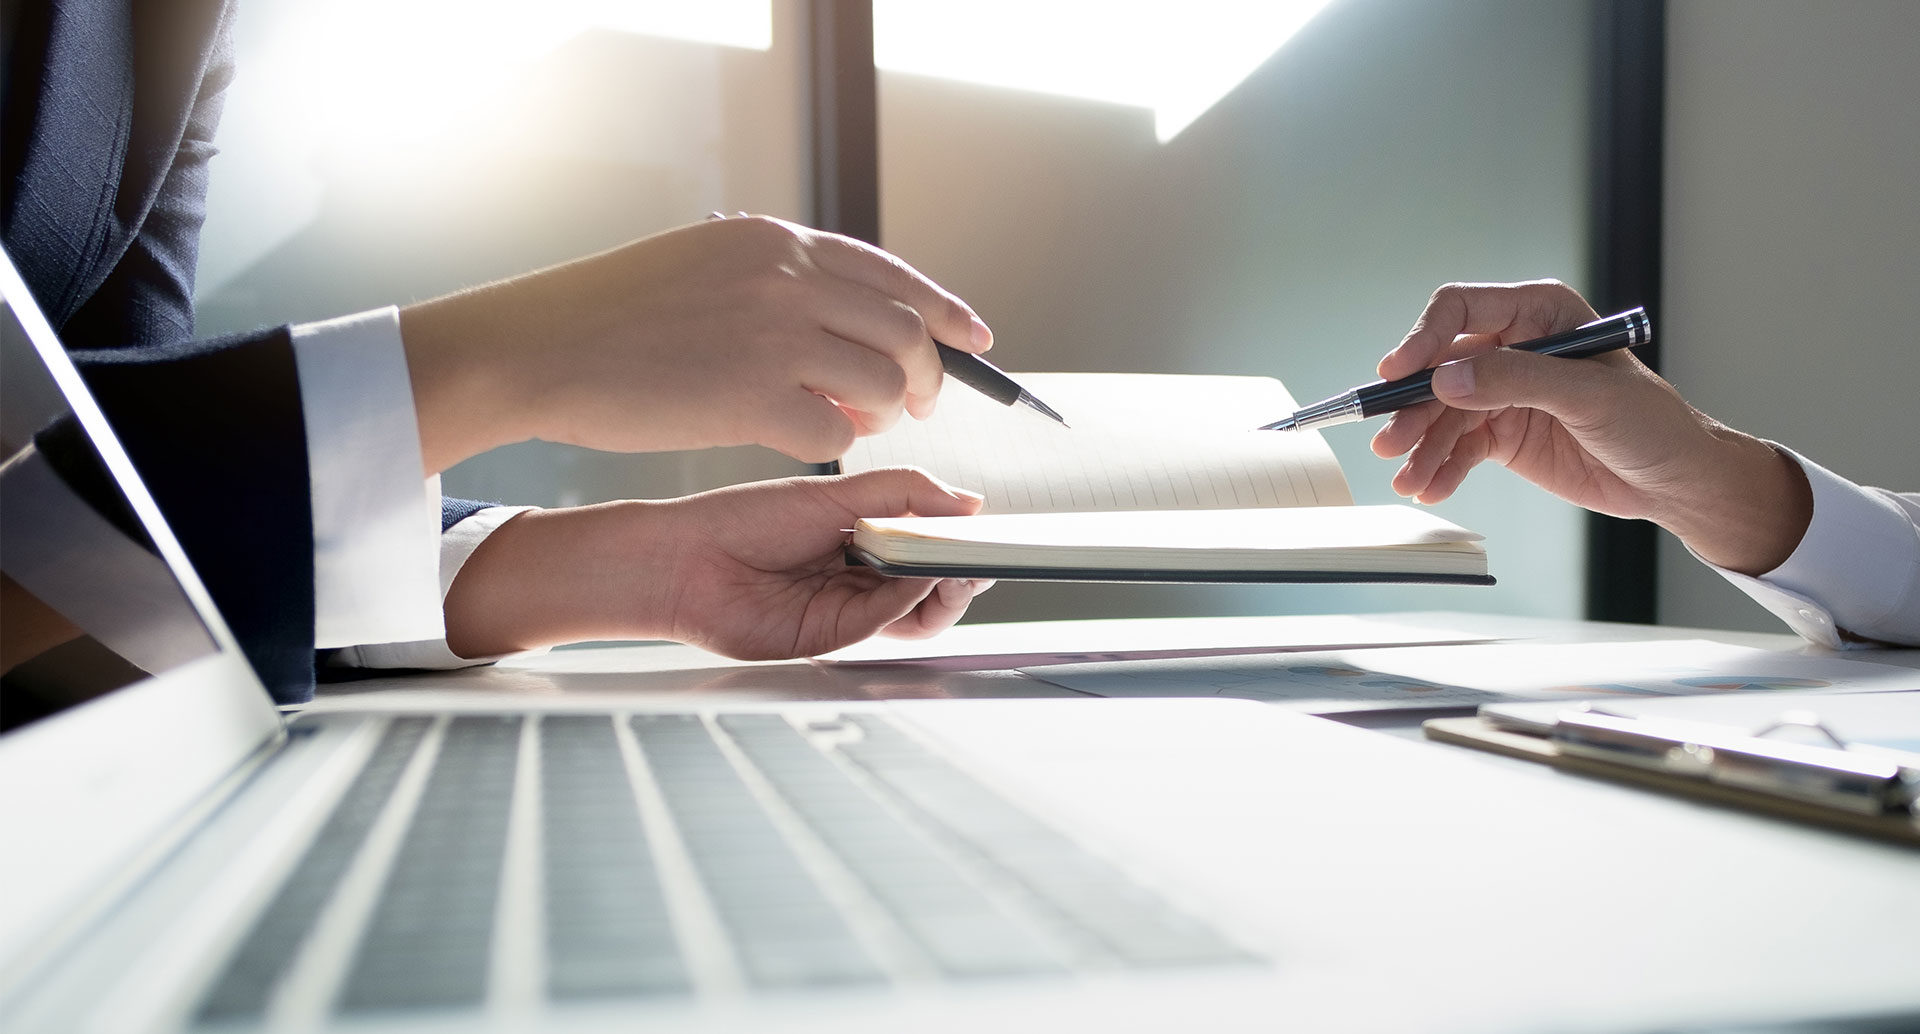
[785, 931]
[243, 988]
[430, 942]
[608, 931]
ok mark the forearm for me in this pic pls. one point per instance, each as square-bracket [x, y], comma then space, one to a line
[549, 577]
[458, 385]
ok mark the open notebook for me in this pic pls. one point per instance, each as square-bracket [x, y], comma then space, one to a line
[1159, 477]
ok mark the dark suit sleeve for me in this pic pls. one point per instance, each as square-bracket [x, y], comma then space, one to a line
[216, 431]
[453, 511]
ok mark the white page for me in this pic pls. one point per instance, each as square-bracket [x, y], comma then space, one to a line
[1137, 442]
[1093, 639]
[1565, 672]
[1887, 721]
[1216, 531]
[1316, 682]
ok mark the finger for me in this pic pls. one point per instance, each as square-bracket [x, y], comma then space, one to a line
[1468, 452]
[895, 602]
[891, 328]
[948, 319]
[1470, 344]
[1433, 450]
[941, 610]
[900, 491]
[1577, 392]
[804, 425]
[1512, 312]
[1404, 429]
[870, 386]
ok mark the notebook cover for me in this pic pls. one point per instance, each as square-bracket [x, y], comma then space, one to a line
[1122, 574]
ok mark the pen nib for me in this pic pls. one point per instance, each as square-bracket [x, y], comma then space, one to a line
[1027, 399]
[1283, 424]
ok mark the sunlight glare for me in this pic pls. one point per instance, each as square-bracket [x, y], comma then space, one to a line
[384, 76]
[1177, 60]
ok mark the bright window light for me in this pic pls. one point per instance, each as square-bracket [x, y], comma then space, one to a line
[419, 63]
[1175, 59]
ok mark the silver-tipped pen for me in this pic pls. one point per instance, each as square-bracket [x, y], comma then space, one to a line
[1027, 399]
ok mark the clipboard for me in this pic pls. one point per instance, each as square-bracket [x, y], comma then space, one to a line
[1829, 784]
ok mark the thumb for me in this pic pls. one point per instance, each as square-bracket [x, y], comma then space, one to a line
[897, 491]
[1577, 392]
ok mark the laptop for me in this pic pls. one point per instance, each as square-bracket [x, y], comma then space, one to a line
[179, 856]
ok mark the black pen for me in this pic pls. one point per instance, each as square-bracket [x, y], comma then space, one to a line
[1381, 397]
[990, 380]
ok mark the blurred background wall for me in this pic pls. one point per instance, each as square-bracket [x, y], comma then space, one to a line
[1792, 216]
[378, 152]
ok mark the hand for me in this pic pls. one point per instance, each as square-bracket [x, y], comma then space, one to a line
[1604, 433]
[752, 571]
[725, 332]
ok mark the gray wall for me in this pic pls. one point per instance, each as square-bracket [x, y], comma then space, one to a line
[1792, 222]
[1295, 230]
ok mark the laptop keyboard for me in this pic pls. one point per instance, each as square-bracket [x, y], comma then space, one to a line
[676, 855]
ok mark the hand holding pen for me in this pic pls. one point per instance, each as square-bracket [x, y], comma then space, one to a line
[1381, 397]
[1605, 433]
[910, 288]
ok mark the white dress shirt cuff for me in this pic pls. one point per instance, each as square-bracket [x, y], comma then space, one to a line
[456, 545]
[1855, 574]
[376, 520]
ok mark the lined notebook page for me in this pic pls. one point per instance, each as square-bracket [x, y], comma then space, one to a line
[1137, 442]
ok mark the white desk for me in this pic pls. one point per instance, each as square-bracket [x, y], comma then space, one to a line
[1557, 896]
[666, 673]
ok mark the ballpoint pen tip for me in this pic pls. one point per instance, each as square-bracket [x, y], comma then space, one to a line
[1044, 409]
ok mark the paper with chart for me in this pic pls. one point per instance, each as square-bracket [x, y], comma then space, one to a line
[1465, 676]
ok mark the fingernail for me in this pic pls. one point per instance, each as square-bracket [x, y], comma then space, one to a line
[981, 336]
[1454, 380]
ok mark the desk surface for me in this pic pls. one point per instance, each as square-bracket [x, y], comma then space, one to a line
[1561, 888]
[647, 674]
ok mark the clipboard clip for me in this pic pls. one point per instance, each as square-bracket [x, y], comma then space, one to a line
[1829, 775]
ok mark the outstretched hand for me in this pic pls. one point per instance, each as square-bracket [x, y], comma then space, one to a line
[1605, 433]
[762, 573]
[754, 571]
[725, 332]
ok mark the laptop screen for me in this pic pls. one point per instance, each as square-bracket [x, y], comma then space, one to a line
[123, 698]
[88, 604]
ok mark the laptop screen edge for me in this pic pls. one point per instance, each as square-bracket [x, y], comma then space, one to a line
[85, 791]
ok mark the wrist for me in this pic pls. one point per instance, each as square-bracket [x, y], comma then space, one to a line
[1748, 508]
[461, 384]
[551, 577]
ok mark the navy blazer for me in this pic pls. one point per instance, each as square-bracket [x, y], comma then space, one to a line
[110, 111]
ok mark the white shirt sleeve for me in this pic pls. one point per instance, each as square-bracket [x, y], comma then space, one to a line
[376, 520]
[456, 545]
[1856, 573]
[381, 565]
